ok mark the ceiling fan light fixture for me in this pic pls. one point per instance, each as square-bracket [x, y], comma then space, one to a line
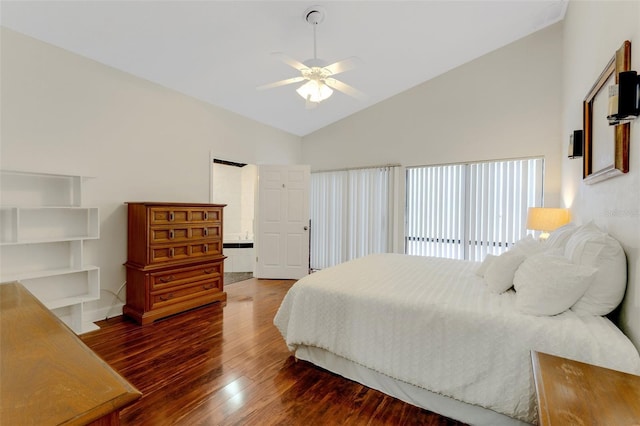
[320, 77]
[314, 91]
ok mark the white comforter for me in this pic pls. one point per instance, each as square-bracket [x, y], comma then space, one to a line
[432, 322]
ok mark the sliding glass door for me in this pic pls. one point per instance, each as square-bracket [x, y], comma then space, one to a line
[351, 214]
[464, 211]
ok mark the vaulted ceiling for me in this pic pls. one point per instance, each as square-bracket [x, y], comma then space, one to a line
[220, 51]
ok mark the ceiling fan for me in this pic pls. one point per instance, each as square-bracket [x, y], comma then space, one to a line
[319, 79]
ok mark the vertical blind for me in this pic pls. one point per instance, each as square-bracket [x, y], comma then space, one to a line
[464, 211]
[351, 214]
[435, 206]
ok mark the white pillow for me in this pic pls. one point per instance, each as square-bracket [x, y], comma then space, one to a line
[499, 274]
[482, 269]
[583, 235]
[590, 246]
[549, 284]
[529, 246]
[559, 237]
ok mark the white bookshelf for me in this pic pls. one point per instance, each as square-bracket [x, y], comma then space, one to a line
[43, 227]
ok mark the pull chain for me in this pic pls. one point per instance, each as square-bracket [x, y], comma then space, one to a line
[315, 56]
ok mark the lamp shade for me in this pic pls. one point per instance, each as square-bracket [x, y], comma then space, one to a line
[547, 219]
[314, 91]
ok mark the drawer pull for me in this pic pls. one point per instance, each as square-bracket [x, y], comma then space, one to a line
[206, 248]
[206, 216]
[207, 286]
[166, 297]
[171, 252]
[167, 279]
[206, 232]
[171, 234]
[209, 271]
[171, 216]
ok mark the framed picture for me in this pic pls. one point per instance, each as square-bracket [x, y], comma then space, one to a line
[606, 148]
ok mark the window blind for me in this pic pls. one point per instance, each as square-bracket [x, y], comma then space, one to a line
[351, 214]
[435, 205]
[464, 211]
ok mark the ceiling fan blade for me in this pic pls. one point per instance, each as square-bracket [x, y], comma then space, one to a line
[345, 88]
[343, 65]
[281, 83]
[290, 61]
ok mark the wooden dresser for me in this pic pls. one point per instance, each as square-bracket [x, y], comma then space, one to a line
[174, 259]
[574, 393]
[48, 375]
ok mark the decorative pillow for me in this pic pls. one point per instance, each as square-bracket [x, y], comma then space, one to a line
[499, 274]
[592, 247]
[559, 237]
[549, 284]
[482, 269]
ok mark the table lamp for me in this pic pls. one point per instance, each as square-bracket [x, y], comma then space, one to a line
[547, 219]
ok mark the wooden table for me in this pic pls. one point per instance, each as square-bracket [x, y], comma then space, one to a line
[48, 376]
[574, 393]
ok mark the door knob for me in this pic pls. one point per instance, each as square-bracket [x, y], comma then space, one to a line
[306, 228]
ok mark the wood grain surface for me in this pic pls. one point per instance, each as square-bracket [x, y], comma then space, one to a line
[230, 366]
[47, 375]
[574, 393]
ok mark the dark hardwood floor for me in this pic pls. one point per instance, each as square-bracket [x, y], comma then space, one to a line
[230, 366]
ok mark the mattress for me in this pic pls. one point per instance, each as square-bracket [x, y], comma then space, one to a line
[432, 323]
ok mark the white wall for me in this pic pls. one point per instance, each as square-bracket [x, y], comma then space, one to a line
[226, 189]
[593, 31]
[247, 200]
[503, 105]
[234, 186]
[65, 113]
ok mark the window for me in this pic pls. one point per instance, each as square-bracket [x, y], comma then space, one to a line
[351, 214]
[464, 211]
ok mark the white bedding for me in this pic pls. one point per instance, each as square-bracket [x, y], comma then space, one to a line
[432, 323]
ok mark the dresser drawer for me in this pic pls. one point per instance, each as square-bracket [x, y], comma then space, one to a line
[207, 214]
[187, 250]
[169, 214]
[159, 254]
[181, 276]
[167, 234]
[166, 215]
[213, 231]
[179, 294]
[206, 248]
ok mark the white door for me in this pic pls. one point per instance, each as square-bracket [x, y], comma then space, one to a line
[282, 222]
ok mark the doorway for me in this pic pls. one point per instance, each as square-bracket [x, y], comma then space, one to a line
[233, 184]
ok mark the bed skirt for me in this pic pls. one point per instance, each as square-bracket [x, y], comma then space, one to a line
[414, 395]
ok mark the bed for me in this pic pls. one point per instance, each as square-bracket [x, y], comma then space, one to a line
[430, 332]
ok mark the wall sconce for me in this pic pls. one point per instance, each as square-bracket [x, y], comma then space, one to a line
[547, 219]
[624, 98]
[576, 142]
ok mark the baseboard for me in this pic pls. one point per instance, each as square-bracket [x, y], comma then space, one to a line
[103, 313]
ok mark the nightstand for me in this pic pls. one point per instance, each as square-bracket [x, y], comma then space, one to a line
[574, 393]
